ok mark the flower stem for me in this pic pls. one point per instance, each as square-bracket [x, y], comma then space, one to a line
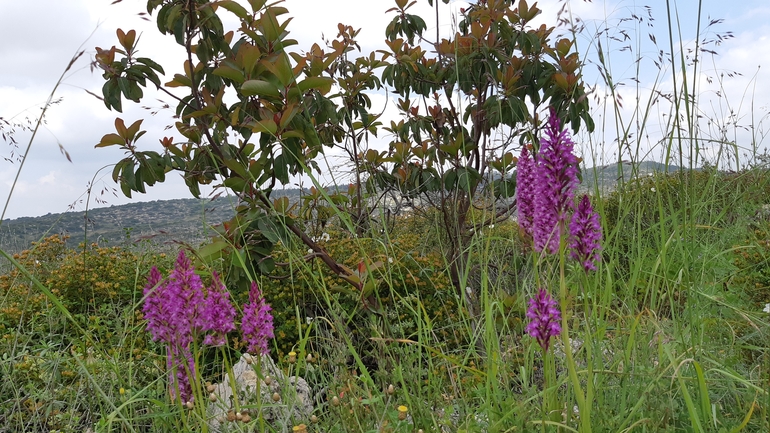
[550, 397]
[585, 414]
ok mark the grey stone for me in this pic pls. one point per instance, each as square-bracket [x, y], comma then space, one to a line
[295, 405]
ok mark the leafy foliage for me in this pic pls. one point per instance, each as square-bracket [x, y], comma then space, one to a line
[445, 153]
[282, 116]
[279, 101]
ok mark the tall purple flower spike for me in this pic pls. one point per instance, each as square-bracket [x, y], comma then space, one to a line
[171, 305]
[155, 310]
[184, 298]
[556, 180]
[585, 235]
[217, 315]
[525, 182]
[177, 312]
[171, 309]
[257, 322]
[544, 316]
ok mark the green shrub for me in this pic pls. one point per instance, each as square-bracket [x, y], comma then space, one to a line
[84, 278]
[752, 259]
[410, 281]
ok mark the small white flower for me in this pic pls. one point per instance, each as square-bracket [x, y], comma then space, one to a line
[492, 226]
[325, 237]
[390, 259]
[310, 251]
[308, 320]
[653, 189]
[468, 290]
[767, 308]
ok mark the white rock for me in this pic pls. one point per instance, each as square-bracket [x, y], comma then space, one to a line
[294, 407]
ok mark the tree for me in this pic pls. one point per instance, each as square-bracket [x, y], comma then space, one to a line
[463, 102]
[279, 123]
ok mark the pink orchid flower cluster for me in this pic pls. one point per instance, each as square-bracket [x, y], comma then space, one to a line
[545, 195]
[179, 311]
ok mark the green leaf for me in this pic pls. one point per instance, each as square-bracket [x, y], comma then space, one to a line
[450, 179]
[125, 88]
[204, 51]
[148, 73]
[270, 27]
[230, 73]
[193, 186]
[111, 140]
[705, 402]
[281, 168]
[133, 129]
[236, 166]
[256, 5]
[213, 250]
[141, 133]
[172, 17]
[281, 205]
[180, 81]
[235, 183]
[266, 265]
[505, 188]
[467, 178]
[293, 134]
[118, 168]
[251, 55]
[322, 84]
[268, 126]
[235, 8]
[259, 87]
[127, 179]
[152, 64]
[281, 68]
[111, 93]
[139, 180]
[157, 167]
[311, 138]
[270, 229]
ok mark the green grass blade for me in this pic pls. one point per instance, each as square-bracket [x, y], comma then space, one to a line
[705, 402]
[746, 419]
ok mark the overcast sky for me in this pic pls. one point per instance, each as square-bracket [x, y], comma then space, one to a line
[38, 38]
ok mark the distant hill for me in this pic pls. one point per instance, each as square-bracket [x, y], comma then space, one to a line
[163, 220]
[187, 219]
[179, 219]
[608, 176]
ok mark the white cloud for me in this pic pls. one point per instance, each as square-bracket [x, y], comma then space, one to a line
[48, 179]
